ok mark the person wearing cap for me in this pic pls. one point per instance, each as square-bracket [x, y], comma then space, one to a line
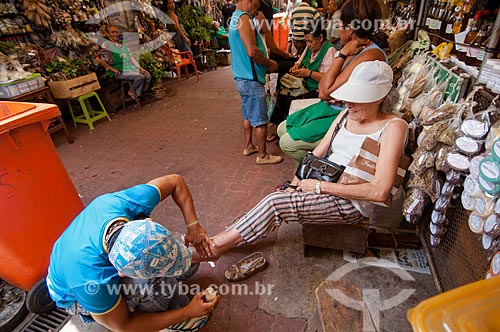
[115, 265]
[370, 100]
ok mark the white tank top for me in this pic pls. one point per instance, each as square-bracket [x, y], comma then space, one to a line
[345, 146]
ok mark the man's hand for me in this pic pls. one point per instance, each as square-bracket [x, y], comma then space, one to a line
[273, 67]
[198, 237]
[197, 307]
[115, 71]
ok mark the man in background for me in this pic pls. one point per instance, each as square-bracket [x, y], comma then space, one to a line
[227, 11]
[301, 15]
[249, 65]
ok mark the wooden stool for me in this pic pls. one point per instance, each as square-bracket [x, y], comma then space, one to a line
[89, 115]
[348, 237]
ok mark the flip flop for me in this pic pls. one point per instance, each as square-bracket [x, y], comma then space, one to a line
[246, 267]
[190, 325]
[247, 152]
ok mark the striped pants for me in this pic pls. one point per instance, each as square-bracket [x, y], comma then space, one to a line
[299, 207]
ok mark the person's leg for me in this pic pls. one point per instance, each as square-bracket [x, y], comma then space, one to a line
[260, 139]
[247, 135]
[281, 206]
[147, 81]
[137, 81]
[255, 110]
[153, 295]
[295, 149]
[241, 85]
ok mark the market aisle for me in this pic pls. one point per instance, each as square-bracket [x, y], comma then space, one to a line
[196, 131]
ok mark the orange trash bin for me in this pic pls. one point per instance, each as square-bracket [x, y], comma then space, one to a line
[37, 197]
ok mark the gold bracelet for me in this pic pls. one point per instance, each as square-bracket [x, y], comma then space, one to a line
[192, 224]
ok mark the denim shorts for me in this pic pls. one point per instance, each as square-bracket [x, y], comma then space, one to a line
[253, 101]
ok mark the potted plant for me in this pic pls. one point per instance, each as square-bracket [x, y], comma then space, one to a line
[196, 23]
[70, 78]
[156, 68]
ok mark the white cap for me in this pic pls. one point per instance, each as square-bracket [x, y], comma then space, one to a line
[370, 81]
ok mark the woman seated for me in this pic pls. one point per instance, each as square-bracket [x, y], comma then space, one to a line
[311, 66]
[370, 99]
[303, 130]
[121, 63]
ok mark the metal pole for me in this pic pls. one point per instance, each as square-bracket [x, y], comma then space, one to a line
[495, 34]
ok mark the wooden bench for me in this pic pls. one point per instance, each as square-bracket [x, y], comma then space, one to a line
[348, 237]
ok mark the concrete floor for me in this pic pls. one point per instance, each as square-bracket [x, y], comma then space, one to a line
[196, 131]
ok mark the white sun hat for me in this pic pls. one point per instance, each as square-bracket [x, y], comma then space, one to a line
[369, 81]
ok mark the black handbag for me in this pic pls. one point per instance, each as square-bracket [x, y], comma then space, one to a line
[313, 167]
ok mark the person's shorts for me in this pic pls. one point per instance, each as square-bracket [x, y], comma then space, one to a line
[253, 101]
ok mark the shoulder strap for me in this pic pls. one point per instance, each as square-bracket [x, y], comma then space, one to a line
[335, 132]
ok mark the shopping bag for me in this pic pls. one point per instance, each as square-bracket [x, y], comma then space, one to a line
[361, 168]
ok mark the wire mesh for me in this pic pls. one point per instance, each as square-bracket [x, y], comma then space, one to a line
[459, 259]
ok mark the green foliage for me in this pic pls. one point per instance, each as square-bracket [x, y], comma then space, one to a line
[70, 67]
[197, 24]
[8, 48]
[149, 62]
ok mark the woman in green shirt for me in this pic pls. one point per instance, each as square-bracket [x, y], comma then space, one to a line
[311, 66]
[122, 64]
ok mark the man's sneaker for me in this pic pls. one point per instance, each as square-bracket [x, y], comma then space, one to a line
[269, 160]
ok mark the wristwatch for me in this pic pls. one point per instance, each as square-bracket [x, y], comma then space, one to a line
[339, 55]
[318, 188]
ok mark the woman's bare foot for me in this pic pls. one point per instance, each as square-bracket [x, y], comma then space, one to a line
[216, 253]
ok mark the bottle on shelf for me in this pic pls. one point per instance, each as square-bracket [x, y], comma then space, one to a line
[458, 20]
[472, 29]
[430, 15]
[435, 28]
[484, 44]
[468, 4]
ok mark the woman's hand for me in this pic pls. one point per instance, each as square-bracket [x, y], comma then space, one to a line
[295, 67]
[301, 72]
[353, 47]
[198, 237]
[307, 185]
[143, 71]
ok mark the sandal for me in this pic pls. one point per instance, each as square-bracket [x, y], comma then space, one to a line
[246, 267]
[190, 325]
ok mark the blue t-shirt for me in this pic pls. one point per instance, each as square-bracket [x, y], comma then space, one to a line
[241, 64]
[79, 268]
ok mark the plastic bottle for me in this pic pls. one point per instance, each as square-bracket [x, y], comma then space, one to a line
[210, 294]
[458, 20]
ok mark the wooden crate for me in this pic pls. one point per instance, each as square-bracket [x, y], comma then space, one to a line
[75, 87]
